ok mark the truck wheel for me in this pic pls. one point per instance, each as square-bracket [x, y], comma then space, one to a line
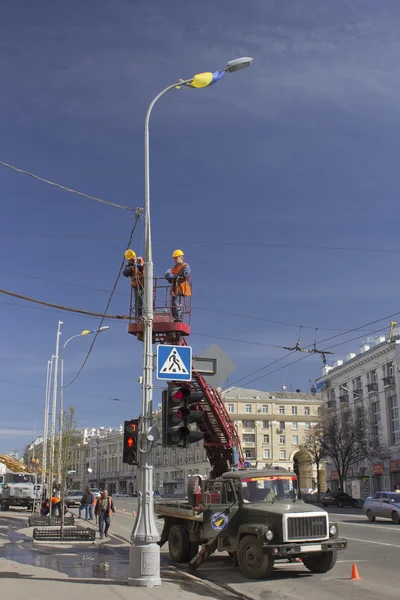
[321, 562]
[178, 544]
[252, 561]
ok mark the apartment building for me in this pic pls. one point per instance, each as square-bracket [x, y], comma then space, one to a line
[367, 383]
[272, 427]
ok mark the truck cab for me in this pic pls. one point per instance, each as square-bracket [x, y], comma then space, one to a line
[256, 517]
[18, 490]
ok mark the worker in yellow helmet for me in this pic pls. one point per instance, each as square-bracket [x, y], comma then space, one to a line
[179, 277]
[135, 270]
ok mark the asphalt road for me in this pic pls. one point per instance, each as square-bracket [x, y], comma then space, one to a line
[373, 547]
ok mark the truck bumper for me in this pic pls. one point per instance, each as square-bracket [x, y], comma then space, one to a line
[291, 549]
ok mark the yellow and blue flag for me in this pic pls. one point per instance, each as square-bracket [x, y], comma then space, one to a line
[202, 80]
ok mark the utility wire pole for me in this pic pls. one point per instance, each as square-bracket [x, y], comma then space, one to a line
[46, 425]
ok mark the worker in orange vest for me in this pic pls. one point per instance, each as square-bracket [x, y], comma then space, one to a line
[179, 277]
[135, 270]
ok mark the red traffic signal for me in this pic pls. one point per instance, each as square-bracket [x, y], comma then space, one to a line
[130, 442]
[131, 431]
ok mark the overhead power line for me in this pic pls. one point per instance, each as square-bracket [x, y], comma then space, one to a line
[138, 215]
[63, 187]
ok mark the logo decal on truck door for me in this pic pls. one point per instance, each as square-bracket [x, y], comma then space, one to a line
[219, 521]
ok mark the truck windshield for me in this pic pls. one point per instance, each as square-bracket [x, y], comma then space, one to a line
[269, 489]
[12, 478]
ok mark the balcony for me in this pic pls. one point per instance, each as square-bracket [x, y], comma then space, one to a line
[389, 380]
[372, 387]
[249, 444]
[357, 393]
[331, 404]
[344, 399]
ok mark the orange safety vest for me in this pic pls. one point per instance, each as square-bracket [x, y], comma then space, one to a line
[180, 287]
[137, 277]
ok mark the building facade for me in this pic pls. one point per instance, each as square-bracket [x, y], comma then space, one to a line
[368, 384]
[272, 427]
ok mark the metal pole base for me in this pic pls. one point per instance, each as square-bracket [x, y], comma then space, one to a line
[144, 565]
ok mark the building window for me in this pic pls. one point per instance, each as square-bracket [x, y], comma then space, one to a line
[165, 461]
[265, 424]
[281, 410]
[308, 439]
[249, 438]
[295, 426]
[282, 454]
[307, 411]
[248, 408]
[294, 410]
[282, 425]
[267, 453]
[265, 409]
[376, 421]
[295, 440]
[308, 426]
[248, 454]
[248, 424]
[394, 419]
[282, 439]
[266, 439]
[319, 411]
[197, 456]
[231, 408]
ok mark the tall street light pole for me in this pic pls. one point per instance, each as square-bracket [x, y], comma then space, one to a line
[53, 415]
[144, 562]
[46, 426]
[61, 415]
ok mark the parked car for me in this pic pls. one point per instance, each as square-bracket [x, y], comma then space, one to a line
[385, 505]
[314, 497]
[156, 494]
[96, 492]
[73, 498]
[339, 499]
[133, 495]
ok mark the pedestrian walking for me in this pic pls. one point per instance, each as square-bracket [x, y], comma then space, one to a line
[179, 277]
[86, 502]
[135, 270]
[104, 509]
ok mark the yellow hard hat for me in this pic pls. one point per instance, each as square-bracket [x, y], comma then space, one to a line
[177, 253]
[129, 254]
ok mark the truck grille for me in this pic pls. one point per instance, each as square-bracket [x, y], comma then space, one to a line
[310, 528]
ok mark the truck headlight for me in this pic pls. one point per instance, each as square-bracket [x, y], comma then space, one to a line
[333, 530]
[269, 535]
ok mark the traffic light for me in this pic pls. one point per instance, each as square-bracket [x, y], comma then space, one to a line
[177, 415]
[130, 448]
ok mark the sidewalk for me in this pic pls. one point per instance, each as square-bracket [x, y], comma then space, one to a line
[33, 571]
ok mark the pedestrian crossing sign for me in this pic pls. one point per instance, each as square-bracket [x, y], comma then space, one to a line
[174, 363]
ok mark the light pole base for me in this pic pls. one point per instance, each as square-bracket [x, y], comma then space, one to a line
[144, 565]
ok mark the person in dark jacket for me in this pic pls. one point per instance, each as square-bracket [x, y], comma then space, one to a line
[104, 509]
[86, 502]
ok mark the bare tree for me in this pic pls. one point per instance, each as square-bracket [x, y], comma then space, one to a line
[346, 438]
[313, 445]
[69, 426]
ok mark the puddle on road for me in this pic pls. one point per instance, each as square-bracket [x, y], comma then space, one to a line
[97, 561]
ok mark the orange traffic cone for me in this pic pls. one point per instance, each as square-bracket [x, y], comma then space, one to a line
[133, 514]
[123, 510]
[354, 573]
[299, 560]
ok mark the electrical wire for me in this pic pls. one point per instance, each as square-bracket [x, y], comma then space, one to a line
[18, 170]
[310, 345]
[138, 215]
[64, 308]
[42, 387]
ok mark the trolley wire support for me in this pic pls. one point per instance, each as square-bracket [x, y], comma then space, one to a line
[313, 350]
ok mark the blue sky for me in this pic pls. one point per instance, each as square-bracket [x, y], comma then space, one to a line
[301, 149]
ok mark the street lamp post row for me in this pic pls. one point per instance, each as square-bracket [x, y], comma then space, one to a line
[52, 382]
[144, 567]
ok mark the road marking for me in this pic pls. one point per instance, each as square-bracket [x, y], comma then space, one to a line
[371, 542]
[386, 527]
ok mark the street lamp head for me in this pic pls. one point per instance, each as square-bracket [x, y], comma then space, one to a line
[238, 63]
[103, 328]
